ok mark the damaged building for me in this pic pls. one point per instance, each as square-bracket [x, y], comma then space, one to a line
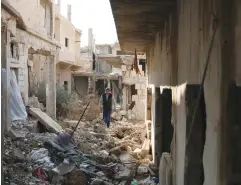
[193, 84]
[96, 74]
[28, 48]
[69, 56]
[133, 79]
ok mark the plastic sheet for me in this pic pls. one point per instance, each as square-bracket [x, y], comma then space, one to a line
[18, 111]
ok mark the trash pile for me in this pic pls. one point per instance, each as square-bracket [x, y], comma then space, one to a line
[93, 155]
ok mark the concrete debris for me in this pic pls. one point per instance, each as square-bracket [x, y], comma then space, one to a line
[103, 153]
[142, 169]
[117, 150]
[94, 155]
[123, 174]
[44, 119]
[114, 114]
[123, 115]
[18, 154]
[34, 102]
[15, 135]
[122, 112]
[146, 147]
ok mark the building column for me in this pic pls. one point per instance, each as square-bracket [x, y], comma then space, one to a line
[6, 109]
[51, 86]
[25, 70]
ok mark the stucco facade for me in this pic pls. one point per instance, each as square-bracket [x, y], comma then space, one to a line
[69, 56]
[33, 50]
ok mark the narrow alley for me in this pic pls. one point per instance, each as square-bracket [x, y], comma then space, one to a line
[121, 92]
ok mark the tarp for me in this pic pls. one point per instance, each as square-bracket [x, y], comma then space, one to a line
[18, 111]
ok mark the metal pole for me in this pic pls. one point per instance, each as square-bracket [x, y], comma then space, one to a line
[203, 79]
[79, 120]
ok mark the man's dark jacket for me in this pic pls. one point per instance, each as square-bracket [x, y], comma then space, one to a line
[107, 104]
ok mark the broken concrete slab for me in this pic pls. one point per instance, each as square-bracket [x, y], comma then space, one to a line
[127, 159]
[46, 120]
[15, 135]
[116, 150]
[146, 147]
[124, 174]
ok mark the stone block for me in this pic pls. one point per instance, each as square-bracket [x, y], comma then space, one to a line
[146, 147]
[138, 86]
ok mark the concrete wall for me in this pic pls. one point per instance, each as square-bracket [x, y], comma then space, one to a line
[67, 30]
[35, 17]
[175, 62]
[62, 76]
[103, 49]
[115, 48]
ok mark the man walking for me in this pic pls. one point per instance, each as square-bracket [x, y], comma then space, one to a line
[106, 102]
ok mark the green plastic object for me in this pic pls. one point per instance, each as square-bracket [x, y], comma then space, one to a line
[134, 182]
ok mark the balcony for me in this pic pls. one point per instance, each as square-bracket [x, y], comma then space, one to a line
[68, 60]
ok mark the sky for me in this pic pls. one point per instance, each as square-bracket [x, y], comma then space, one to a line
[95, 14]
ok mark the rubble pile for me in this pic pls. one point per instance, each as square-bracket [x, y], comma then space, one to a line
[123, 115]
[77, 105]
[94, 155]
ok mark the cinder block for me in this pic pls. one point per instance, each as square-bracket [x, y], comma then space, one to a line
[139, 92]
[141, 97]
[144, 92]
[143, 86]
[138, 86]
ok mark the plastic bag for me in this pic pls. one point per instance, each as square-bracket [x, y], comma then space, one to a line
[41, 153]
